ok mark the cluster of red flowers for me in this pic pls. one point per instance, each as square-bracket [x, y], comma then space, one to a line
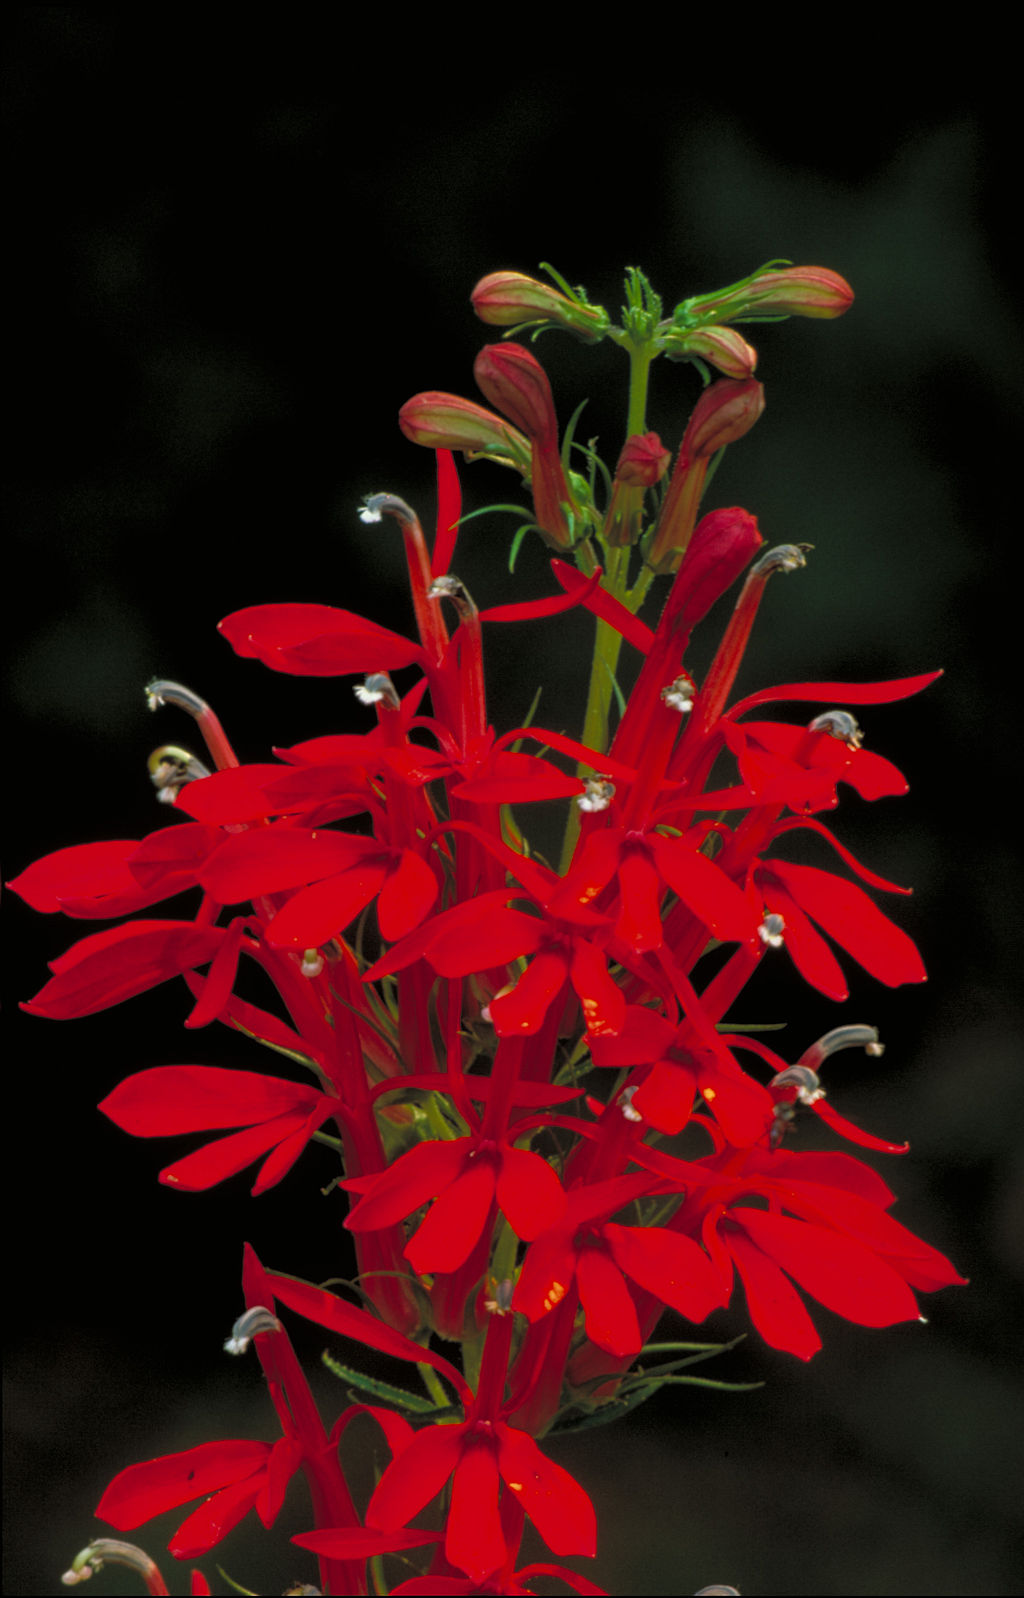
[504, 1067]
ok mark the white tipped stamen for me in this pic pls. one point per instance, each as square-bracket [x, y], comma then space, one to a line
[597, 795]
[626, 1105]
[679, 695]
[771, 930]
[376, 689]
[839, 724]
[842, 1037]
[368, 514]
[312, 963]
[250, 1325]
[781, 558]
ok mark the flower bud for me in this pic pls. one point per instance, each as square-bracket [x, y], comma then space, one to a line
[506, 299]
[725, 411]
[722, 347]
[723, 545]
[642, 463]
[517, 384]
[447, 421]
[786, 291]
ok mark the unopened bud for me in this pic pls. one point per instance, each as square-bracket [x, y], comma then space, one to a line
[721, 347]
[508, 299]
[446, 421]
[725, 411]
[723, 543]
[642, 463]
[517, 385]
[784, 291]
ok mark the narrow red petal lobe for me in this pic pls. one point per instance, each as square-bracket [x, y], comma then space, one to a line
[474, 1540]
[557, 1505]
[776, 1308]
[854, 921]
[142, 1491]
[611, 1317]
[838, 1271]
[529, 1193]
[416, 1476]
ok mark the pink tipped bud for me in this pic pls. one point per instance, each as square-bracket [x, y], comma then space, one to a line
[446, 421]
[722, 347]
[725, 411]
[643, 462]
[506, 299]
[517, 385]
[784, 291]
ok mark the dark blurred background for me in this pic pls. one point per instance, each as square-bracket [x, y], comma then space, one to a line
[237, 247]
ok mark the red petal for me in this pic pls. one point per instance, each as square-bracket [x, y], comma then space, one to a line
[547, 1274]
[557, 1505]
[601, 999]
[327, 1309]
[210, 1523]
[603, 604]
[775, 1306]
[521, 1012]
[703, 887]
[807, 948]
[449, 509]
[672, 1267]
[455, 1221]
[492, 938]
[142, 1491]
[824, 1111]
[317, 913]
[474, 1540]
[529, 1193]
[854, 921]
[114, 965]
[836, 1270]
[639, 922]
[272, 859]
[169, 1099]
[233, 795]
[611, 1318]
[508, 777]
[171, 858]
[665, 1096]
[407, 896]
[839, 693]
[92, 876]
[205, 1167]
[316, 640]
[416, 1176]
[415, 1477]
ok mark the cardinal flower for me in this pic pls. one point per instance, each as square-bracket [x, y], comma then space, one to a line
[464, 1177]
[279, 1118]
[603, 1257]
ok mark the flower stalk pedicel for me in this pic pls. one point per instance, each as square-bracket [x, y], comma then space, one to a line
[553, 1119]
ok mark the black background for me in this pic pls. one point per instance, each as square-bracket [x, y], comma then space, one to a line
[237, 247]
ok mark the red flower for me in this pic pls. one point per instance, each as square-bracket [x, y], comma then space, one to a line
[238, 1475]
[280, 1118]
[465, 1178]
[345, 874]
[838, 1244]
[600, 1255]
[476, 1456]
[109, 967]
[805, 894]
